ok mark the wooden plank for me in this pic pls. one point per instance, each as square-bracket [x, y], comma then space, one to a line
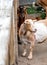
[15, 32]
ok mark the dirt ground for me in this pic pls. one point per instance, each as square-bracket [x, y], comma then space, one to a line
[39, 55]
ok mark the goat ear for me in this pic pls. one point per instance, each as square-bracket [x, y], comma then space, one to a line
[34, 21]
[34, 30]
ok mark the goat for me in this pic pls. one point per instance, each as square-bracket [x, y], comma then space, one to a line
[26, 34]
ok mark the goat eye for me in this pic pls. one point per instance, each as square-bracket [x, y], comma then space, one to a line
[26, 21]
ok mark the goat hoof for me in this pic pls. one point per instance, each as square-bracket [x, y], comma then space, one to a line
[30, 57]
[24, 54]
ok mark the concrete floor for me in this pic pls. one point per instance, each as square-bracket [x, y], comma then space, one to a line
[39, 55]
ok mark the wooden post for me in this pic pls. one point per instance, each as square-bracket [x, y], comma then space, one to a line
[13, 53]
[15, 32]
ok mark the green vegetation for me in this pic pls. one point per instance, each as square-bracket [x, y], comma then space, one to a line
[43, 15]
[32, 10]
